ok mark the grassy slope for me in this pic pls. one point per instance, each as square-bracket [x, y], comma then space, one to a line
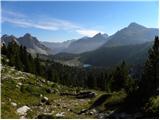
[29, 94]
[32, 87]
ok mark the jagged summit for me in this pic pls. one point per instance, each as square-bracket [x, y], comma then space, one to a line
[27, 35]
[32, 44]
[135, 25]
[132, 34]
[100, 35]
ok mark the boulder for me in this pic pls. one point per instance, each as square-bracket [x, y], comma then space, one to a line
[49, 90]
[44, 99]
[14, 104]
[60, 114]
[22, 111]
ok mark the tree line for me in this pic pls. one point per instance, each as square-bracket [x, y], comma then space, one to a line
[94, 78]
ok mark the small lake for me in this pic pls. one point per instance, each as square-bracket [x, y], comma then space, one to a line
[86, 65]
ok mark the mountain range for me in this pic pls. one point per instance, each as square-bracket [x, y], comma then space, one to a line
[93, 50]
[132, 34]
[57, 47]
[77, 46]
[32, 44]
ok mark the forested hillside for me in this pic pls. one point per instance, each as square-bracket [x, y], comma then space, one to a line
[110, 56]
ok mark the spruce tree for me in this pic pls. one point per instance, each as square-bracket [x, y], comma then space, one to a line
[120, 78]
[38, 68]
[4, 49]
[149, 84]
[18, 64]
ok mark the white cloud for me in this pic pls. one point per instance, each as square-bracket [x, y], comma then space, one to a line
[24, 23]
[11, 13]
[87, 32]
[52, 24]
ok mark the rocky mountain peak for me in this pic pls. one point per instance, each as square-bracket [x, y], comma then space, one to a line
[27, 35]
[134, 25]
[100, 35]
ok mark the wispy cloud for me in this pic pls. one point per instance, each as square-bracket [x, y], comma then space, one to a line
[13, 14]
[52, 24]
[87, 32]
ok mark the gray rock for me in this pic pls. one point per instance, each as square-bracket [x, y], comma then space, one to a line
[60, 114]
[22, 111]
[44, 99]
[49, 90]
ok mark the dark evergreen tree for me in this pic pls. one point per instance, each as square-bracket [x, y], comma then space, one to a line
[149, 84]
[38, 67]
[4, 49]
[121, 78]
[18, 64]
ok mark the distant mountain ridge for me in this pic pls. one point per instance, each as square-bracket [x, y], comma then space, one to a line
[87, 44]
[32, 44]
[133, 34]
[130, 44]
[5, 39]
[57, 47]
[77, 46]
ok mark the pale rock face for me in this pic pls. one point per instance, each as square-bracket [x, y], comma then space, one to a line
[23, 110]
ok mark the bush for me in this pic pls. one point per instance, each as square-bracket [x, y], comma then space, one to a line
[152, 107]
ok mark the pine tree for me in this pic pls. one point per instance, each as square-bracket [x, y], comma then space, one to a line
[149, 84]
[38, 68]
[120, 78]
[31, 64]
[18, 64]
[49, 74]
[4, 49]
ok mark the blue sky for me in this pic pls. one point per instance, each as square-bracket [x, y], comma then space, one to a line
[59, 21]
